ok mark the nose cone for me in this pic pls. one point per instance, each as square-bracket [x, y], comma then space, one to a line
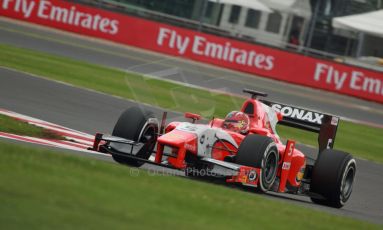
[176, 138]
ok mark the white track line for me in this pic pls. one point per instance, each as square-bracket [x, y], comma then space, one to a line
[82, 140]
[75, 140]
[49, 143]
[45, 124]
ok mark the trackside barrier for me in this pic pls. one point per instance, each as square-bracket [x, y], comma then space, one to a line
[232, 54]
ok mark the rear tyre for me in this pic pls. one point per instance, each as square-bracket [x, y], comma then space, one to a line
[260, 152]
[333, 178]
[140, 126]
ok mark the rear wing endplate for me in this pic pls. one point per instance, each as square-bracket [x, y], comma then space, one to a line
[325, 125]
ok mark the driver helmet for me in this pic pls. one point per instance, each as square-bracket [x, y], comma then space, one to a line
[237, 122]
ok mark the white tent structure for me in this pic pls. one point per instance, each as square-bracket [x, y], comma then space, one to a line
[293, 9]
[365, 25]
[271, 22]
[369, 23]
[297, 7]
[252, 4]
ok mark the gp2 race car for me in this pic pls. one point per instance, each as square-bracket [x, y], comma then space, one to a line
[243, 148]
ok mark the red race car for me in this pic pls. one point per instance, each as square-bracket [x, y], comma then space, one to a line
[244, 148]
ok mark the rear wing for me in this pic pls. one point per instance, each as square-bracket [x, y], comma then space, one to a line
[324, 124]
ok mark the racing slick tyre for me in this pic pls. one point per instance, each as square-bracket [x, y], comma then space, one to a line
[333, 178]
[260, 152]
[140, 126]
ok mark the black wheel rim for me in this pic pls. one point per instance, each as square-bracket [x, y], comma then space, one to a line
[348, 182]
[149, 137]
[149, 134]
[270, 167]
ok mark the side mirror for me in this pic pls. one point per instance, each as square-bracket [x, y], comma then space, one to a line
[279, 116]
[193, 116]
[260, 131]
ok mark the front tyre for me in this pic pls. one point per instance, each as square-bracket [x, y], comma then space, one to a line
[333, 178]
[137, 125]
[260, 152]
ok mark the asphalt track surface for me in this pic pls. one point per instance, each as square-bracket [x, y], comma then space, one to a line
[92, 112]
[184, 71]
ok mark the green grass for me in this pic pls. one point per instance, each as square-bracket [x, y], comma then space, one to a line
[11, 125]
[40, 189]
[362, 141]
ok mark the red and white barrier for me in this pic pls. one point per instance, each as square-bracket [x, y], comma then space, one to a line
[232, 54]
